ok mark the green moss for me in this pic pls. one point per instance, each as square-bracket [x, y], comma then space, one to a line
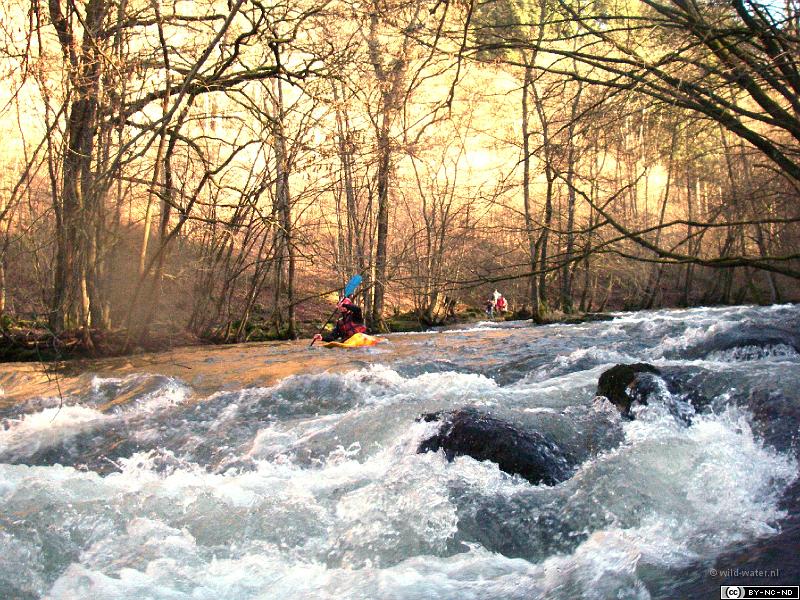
[6, 322]
[400, 325]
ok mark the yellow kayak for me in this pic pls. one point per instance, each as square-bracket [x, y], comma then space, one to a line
[357, 340]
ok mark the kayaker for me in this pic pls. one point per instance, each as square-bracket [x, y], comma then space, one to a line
[351, 322]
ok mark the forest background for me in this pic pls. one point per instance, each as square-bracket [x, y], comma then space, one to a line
[215, 170]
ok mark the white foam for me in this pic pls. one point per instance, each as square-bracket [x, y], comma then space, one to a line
[47, 428]
[591, 356]
[55, 425]
[380, 523]
[752, 353]
[168, 391]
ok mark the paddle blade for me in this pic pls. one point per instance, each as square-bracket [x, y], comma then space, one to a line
[351, 286]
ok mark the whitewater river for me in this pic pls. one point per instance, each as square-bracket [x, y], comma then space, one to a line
[278, 471]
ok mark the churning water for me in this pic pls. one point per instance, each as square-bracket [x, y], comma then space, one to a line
[280, 471]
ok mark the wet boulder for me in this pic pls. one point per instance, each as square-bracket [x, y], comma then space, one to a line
[622, 385]
[776, 419]
[471, 432]
[641, 384]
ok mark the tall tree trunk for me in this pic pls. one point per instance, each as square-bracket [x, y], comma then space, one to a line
[549, 172]
[689, 271]
[151, 194]
[390, 76]
[145, 309]
[79, 196]
[654, 280]
[356, 259]
[5, 225]
[2, 286]
[533, 241]
[384, 165]
[285, 267]
[761, 243]
[566, 269]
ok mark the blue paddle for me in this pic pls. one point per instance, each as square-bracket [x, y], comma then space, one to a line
[351, 286]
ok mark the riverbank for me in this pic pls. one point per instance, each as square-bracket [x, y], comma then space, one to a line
[34, 342]
[39, 344]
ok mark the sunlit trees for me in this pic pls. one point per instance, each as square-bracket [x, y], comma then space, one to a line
[133, 74]
[220, 163]
[733, 65]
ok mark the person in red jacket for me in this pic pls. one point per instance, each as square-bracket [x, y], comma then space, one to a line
[351, 322]
[501, 305]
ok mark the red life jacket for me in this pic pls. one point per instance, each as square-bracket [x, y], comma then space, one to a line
[347, 327]
[501, 303]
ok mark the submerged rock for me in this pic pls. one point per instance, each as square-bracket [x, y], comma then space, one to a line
[746, 341]
[470, 432]
[776, 419]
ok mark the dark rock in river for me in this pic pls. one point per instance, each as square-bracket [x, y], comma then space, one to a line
[776, 419]
[618, 382]
[470, 432]
[643, 384]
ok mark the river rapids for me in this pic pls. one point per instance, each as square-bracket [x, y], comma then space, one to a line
[280, 471]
